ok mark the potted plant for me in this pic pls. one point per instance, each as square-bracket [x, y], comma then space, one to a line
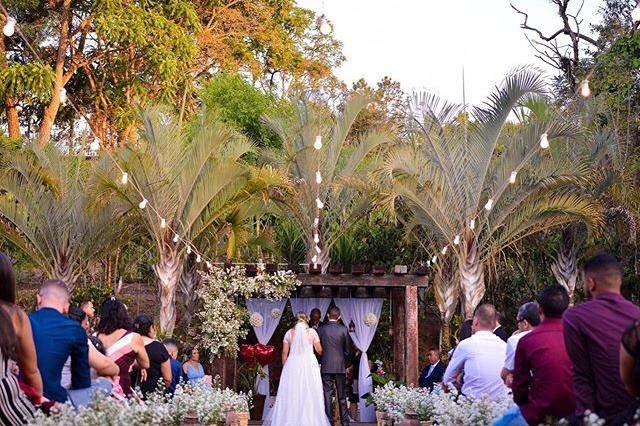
[379, 269]
[335, 268]
[247, 374]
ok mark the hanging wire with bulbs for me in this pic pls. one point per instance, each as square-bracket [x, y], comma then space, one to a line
[317, 146]
[322, 24]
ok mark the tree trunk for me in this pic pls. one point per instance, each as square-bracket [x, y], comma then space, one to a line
[13, 121]
[471, 278]
[63, 271]
[564, 267]
[189, 283]
[168, 270]
[446, 291]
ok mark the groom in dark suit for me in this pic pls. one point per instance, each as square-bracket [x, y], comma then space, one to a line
[336, 346]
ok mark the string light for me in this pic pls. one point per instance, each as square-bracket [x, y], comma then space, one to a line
[512, 178]
[9, 27]
[318, 143]
[428, 263]
[125, 178]
[209, 265]
[319, 203]
[176, 238]
[143, 203]
[456, 240]
[316, 222]
[163, 223]
[63, 96]
[318, 177]
[323, 25]
[585, 91]
[489, 204]
[318, 250]
[314, 259]
[433, 259]
[472, 224]
[188, 249]
[198, 259]
[316, 238]
[444, 250]
[544, 141]
[635, 14]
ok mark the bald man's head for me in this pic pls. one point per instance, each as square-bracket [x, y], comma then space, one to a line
[54, 294]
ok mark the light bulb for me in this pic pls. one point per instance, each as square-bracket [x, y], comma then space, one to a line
[444, 250]
[472, 224]
[63, 96]
[316, 238]
[318, 250]
[456, 240]
[512, 178]
[635, 14]
[316, 222]
[143, 203]
[323, 26]
[433, 259]
[585, 91]
[318, 177]
[318, 143]
[198, 259]
[9, 27]
[319, 203]
[176, 238]
[125, 178]
[428, 263]
[314, 259]
[544, 141]
[188, 249]
[163, 223]
[209, 265]
[489, 204]
[95, 145]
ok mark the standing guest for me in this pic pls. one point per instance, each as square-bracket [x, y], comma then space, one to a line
[527, 320]
[57, 338]
[315, 319]
[176, 368]
[15, 407]
[25, 350]
[192, 367]
[542, 380]
[160, 367]
[122, 345]
[592, 334]
[433, 372]
[481, 357]
[500, 331]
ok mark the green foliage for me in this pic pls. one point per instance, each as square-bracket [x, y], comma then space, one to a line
[26, 80]
[91, 291]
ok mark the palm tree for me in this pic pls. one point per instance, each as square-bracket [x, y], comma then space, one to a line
[454, 175]
[344, 165]
[193, 179]
[47, 213]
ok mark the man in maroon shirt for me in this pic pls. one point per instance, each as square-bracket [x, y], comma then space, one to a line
[542, 386]
[592, 334]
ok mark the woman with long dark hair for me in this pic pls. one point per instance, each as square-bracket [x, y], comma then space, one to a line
[160, 367]
[25, 350]
[120, 343]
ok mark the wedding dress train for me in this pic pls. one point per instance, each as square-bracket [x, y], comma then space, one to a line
[300, 399]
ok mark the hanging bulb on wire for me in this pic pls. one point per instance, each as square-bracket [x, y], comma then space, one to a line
[323, 25]
[318, 143]
[319, 203]
[318, 177]
[95, 145]
[635, 14]
[314, 259]
[63, 96]
[512, 178]
[472, 224]
[209, 265]
[316, 238]
[316, 222]
[125, 178]
[544, 141]
[9, 28]
[318, 250]
[444, 250]
[585, 90]
[176, 238]
[433, 259]
[428, 263]
[188, 249]
[143, 203]
[456, 240]
[489, 204]
[198, 259]
[163, 222]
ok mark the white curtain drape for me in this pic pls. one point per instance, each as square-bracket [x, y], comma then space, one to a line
[357, 310]
[268, 310]
[307, 304]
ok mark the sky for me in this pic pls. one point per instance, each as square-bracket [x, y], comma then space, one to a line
[424, 44]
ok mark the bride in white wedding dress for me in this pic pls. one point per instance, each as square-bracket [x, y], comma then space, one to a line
[300, 399]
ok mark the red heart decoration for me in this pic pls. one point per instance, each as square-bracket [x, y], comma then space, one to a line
[264, 353]
[248, 354]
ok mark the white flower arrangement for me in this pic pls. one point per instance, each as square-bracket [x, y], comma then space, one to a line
[256, 319]
[370, 319]
[276, 313]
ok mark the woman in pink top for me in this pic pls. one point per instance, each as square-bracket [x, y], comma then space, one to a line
[121, 345]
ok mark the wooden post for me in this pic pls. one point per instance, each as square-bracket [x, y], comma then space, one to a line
[398, 327]
[411, 344]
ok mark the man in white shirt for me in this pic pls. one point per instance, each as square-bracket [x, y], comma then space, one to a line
[481, 357]
[528, 318]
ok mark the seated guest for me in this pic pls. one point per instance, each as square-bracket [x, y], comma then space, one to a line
[500, 331]
[542, 380]
[159, 365]
[15, 407]
[57, 338]
[481, 357]
[592, 334]
[122, 345]
[192, 367]
[176, 368]
[433, 372]
[25, 351]
[527, 320]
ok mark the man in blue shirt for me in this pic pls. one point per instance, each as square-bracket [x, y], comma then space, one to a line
[176, 367]
[57, 338]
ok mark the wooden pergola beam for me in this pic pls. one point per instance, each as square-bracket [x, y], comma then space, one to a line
[364, 280]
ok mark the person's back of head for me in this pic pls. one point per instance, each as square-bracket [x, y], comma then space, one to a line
[466, 330]
[54, 294]
[172, 347]
[484, 318]
[602, 274]
[334, 313]
[142, 325]
[553, 301]
[8, 338]
[529, 312]
[7, 280]
[113, 316]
